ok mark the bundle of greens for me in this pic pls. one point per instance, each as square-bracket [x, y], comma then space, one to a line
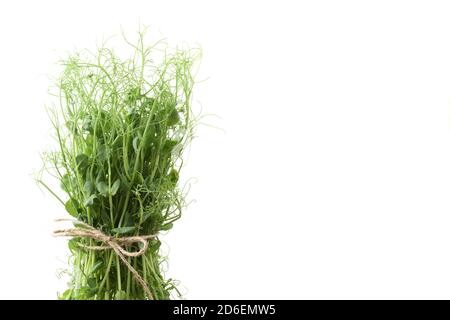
[121, 126]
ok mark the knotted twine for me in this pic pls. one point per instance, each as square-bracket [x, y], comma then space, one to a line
[84, 230]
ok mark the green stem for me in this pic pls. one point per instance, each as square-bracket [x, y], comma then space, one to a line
[106, 276]
[119, 279]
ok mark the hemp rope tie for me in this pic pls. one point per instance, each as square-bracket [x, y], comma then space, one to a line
[110, 242]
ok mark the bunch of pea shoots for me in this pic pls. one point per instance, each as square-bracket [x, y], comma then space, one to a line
[121, 127]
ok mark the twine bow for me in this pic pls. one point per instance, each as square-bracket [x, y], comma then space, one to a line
[84, 230]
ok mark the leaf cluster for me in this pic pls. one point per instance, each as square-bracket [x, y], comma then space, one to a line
[121, 126]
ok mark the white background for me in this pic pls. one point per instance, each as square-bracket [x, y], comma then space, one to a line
[329, 178]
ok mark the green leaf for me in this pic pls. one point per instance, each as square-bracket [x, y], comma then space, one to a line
[96, 266]
[169, 145]
[86, 292]
[72, 207]
[154, 245]
[115, 187]
[173, 119]
[129, 219]
[71, 126]
[90, 200]
[87, 125]
[123, 230]
[146, 216]
[120, 295]
[65, 295]
[82, 161]
[72, 244]
[135, 144]
[65, 182]
[167, 226]
[88, 187]
[125, 184]
[91, 283]
[173, 176]
[102, 188]
[105, 217]
[102, 153]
